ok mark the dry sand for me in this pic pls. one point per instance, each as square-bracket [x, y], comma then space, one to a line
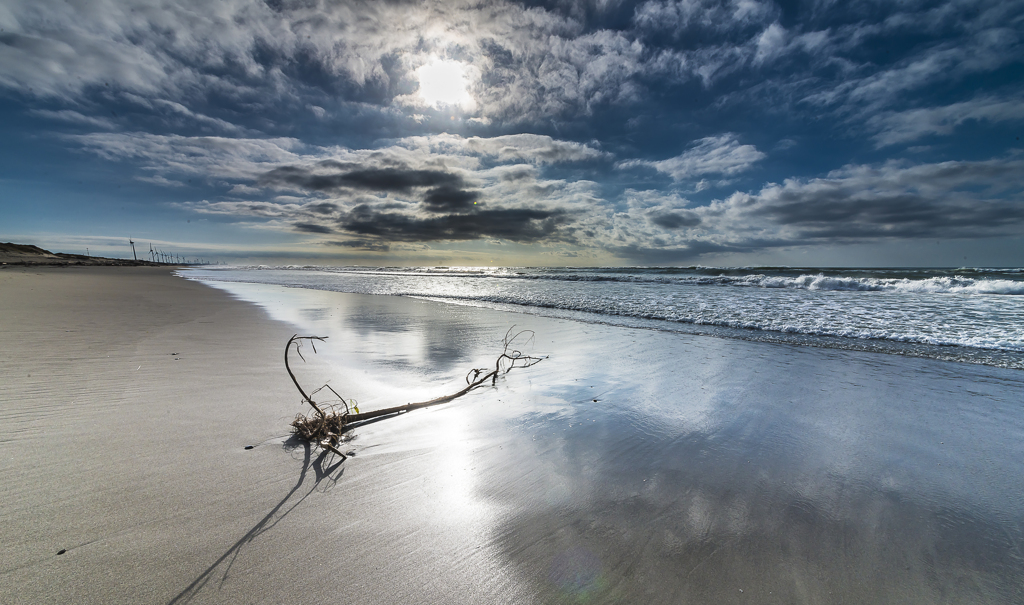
[631, 466]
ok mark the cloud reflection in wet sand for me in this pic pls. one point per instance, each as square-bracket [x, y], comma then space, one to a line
[789, 474]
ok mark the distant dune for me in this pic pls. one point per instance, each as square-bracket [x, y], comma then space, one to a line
[25, 254]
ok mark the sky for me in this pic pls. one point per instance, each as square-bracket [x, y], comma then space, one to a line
[576, 132]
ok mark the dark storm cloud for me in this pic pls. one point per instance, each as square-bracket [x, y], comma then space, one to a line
[893, 202]
[323, 208]
[675, 220]
[948, 200]
[657, 255]
[361, 244]
[901, 215]
[518, 225]
[312, 228]
[399, 180]
[448, 198]
[446, 193]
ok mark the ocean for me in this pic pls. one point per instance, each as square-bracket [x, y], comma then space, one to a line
[971, 315]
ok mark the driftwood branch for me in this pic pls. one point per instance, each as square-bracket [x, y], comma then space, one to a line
[297, 341]
[326, 427]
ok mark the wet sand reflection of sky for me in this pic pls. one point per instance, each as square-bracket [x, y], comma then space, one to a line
[654, 467]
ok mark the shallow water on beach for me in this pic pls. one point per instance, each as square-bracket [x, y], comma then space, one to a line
[638, 465]
[974, 315]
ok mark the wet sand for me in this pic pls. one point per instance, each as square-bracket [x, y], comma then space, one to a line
[629, 466]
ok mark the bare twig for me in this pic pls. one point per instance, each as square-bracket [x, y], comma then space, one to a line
[325, 429]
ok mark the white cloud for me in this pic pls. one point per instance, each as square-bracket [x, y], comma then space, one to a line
[872, 89]
[247, 209]
[167, 155]
[539, 62]
[539, 149]
[771, 43]
[722, 155]
[677, 15]
[67, 115]
[198, 118]
[551, 73]
[904, 126]
[527, 64]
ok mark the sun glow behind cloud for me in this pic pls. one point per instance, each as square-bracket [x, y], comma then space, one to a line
[541, 128]
[445, 83]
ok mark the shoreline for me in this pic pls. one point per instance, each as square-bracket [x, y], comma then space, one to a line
[974, 328]
[628, 466]
[995, 358]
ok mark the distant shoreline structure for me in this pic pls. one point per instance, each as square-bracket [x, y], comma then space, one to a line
[28, 255]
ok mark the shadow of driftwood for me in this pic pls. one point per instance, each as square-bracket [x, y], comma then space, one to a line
[321, 470]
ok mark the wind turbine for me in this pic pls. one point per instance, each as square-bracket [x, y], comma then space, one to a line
[151, 255]
[133, 248]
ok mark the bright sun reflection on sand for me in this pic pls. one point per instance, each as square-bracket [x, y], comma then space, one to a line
[445, 82]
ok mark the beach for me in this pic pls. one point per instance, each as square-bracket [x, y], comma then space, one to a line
[630, 465]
